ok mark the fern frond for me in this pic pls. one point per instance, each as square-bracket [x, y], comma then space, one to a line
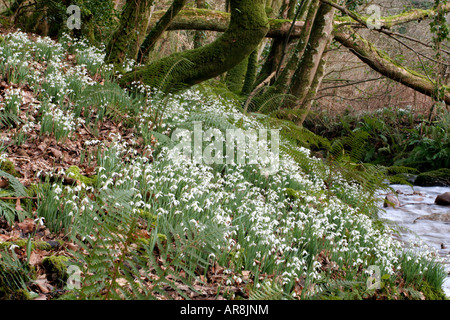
[19, 189]
[267, 291]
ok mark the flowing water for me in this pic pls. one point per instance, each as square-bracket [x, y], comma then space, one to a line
[415, 203]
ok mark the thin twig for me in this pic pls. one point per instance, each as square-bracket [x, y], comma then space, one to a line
[17, 198]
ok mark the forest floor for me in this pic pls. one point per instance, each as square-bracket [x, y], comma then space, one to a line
[54, 122]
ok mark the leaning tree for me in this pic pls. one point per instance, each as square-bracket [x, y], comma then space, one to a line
[301, 32]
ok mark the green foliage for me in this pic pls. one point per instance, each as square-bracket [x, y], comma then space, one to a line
[7, 208]
[13, 277]
[268, 291]
[395, 137]
[110, 269]
[431, 148]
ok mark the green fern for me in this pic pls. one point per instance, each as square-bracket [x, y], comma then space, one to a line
[268, 291]
[119, 265]
[8, 210]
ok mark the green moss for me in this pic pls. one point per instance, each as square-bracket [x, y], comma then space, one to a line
[12, 280]
[432, 293]
[8, 167]
[39, 245]
[147, 215]
[74, 173]
[56, 268]
[440, 177]
[235, 77]
[291, 193]
[248, 26]
[144, 243]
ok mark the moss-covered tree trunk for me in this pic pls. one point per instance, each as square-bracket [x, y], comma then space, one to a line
[162, 25]
[250, 76]
[283, 81]
[248, 26]
[311, 95]
[321, 33]
[131, 32]
[278, 46]
[200, 37]
[234, 79]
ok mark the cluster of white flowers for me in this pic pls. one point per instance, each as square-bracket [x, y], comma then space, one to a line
[3, 157]
[59, 120]
[13, 99]
[259, 221]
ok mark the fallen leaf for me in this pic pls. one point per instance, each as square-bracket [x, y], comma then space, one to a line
[3, 183]
[27, 226]
[55, 152]
[42, 285]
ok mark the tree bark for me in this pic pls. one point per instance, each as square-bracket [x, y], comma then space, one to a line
[162, 25]
[321, 33]
[248, 26]
[311, 95]
[213, 20]
[278, 46]
[283, 81]
[127, 39]
[199, 37]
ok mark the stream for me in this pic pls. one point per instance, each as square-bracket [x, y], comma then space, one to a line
[415, 203]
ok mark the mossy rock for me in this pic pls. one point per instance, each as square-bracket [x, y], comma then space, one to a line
[8, 167]
[73, 172]
[56, 269]
[432, 293]
[440, 177]
[291, 193]
[39, 245]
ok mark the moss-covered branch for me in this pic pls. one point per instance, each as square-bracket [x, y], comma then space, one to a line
[382, 63]
[203, 19]
[248, 26]
[213, 20]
